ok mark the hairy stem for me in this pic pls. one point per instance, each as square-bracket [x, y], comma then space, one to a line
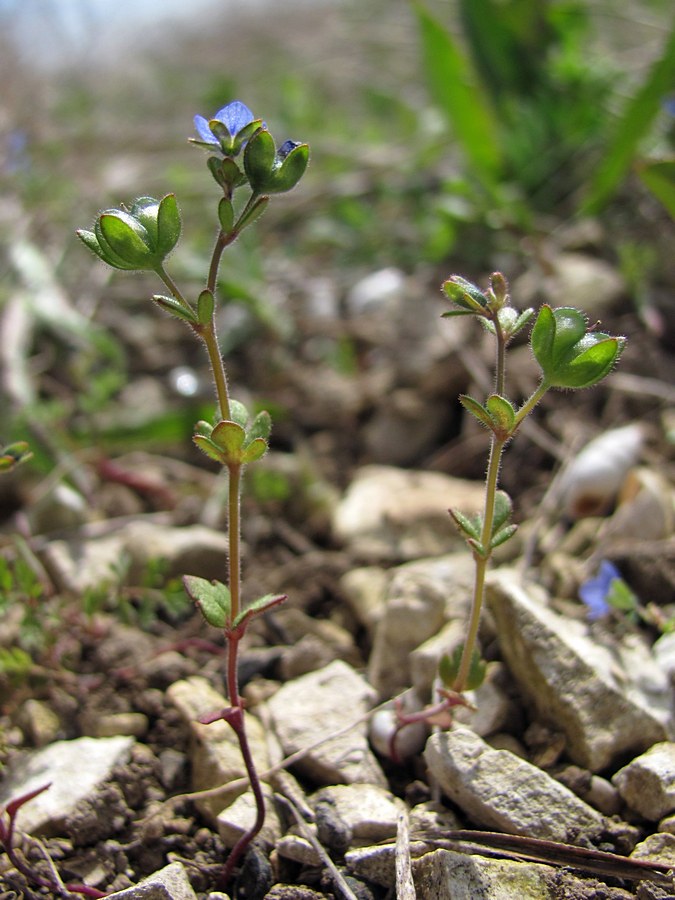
[210, 338]
[482, 560]
[234, 537]
[496, 450]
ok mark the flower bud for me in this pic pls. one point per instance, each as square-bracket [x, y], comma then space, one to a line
[140, 238]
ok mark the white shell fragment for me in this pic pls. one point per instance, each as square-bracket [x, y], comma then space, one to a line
[592, 480]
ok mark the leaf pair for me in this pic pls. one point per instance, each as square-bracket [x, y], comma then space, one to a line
[215, 603]
[498, 414]
[232, 442]
[448, 669]
[471, 527]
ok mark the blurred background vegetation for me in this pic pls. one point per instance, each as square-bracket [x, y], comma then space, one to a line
[446, 135]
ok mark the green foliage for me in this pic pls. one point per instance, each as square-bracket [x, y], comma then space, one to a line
[639, 113]
[659, 177]
[448, 669]
[531, 103]
[569, 354]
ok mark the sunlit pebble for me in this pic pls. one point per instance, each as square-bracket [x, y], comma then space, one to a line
[184, 381]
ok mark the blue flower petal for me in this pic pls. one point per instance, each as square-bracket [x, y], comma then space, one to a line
[235, 116]
[203, 130]
[594, 592]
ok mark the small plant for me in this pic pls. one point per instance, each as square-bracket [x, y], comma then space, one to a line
[570, 355]
[248, 168]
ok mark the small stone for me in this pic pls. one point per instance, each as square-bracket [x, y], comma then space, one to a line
[365, 591]
[38, 722]
[77, 771]
[239, 817]
[421, 597]
[170, 883]
[320, 705]
[298, 849]
[658, 847]
[647, 784]
[392, 514]
[111, 724]
[444, 873]
[370, 812]
[502, 792]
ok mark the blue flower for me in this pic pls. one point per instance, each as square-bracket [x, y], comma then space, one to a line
[228, 130]
[669, 105]
[595, 592]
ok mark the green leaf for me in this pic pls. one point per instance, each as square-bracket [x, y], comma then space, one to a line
[254, 451]
[470, 526]
[259, 159]
[226, 215]
[659, 176]
[258, 607]
[503, 510]
[261, 426]
[502, 536]
[212, 598]
[239, 413]
[126, 238]
[501, 412]
[640, 112]
[207, 446]
[476, 410]
[251, 213]
[176, 308]
[168, 224]
[205, 307]
[454, 88]
[229, 437]
[448, 669]
[291, 170]
[568, 354]
[621, 597]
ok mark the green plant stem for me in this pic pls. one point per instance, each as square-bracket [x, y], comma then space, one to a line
[173, 287]
[496, 450]
[530, 404]
[210, 338]
[234, 537]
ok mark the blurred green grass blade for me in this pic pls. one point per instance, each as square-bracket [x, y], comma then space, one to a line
[631, 128]
[454, 88]
[659, 177]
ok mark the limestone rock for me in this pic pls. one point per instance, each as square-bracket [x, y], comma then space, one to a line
[420, 598]
[502, 792]
[647, 784]
[393, 514]
[80, 563]
[170, 883]
[606, 703]
[444, 873]
[77, 771]
[370, 812]
[317, 706]
[236, 819]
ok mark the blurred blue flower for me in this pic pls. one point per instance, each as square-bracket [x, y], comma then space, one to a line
[669, 105]
[595, 592]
